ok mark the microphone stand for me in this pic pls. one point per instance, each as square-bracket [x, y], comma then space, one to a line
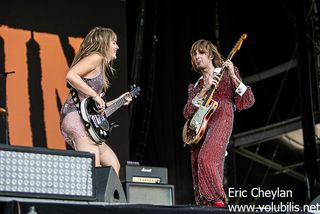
[4, 111]
[6, 73]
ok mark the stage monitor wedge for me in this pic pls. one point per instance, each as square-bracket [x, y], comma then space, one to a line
[108, 186]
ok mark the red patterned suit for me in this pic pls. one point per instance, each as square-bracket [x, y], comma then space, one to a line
[207, 157]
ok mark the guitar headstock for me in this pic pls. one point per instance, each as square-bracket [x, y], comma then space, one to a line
[237, 45]
[134, 90]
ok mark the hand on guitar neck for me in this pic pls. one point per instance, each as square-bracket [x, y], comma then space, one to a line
[101, 105]
[229, 67]
[127, 98]
[209, 83]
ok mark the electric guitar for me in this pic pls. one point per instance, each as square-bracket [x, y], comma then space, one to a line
[195, 128]
[97, 122]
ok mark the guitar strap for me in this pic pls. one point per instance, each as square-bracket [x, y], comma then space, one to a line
[76, 101]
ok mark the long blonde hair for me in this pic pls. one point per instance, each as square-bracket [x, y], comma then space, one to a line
[97, 41]
[210, 49]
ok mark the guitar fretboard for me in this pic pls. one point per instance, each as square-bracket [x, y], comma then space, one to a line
[209, 97]
[115, 106]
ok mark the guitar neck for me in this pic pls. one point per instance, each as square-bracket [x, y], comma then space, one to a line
[115, 106]
[209, 97]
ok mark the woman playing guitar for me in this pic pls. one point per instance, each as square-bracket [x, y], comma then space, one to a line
[88, 76]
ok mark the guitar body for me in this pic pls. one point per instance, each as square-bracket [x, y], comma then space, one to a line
[195, 128]
[96, 123]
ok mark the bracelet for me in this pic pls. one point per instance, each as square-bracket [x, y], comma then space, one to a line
[95, 96]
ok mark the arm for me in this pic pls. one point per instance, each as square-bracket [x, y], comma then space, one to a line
[85, 68]
[190, 108]
[244, 97]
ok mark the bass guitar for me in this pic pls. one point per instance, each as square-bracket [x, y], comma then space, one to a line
[195, 127]
[97, 122]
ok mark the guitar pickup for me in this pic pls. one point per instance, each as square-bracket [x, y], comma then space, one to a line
[95, 122]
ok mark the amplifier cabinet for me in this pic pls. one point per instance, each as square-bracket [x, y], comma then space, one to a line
[144, 174]
[145, 193]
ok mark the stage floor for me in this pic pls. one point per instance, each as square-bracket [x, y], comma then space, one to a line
[44, 206]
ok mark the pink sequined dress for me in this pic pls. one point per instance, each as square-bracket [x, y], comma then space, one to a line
[71, 124]
[207, 157]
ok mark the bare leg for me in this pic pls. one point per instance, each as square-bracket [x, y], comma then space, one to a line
[108, 157]
[85, 144]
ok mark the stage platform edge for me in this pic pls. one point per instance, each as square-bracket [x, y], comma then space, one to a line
[10, 205]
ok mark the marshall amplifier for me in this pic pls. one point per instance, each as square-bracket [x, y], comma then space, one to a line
[144, 174]
[143, 193]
